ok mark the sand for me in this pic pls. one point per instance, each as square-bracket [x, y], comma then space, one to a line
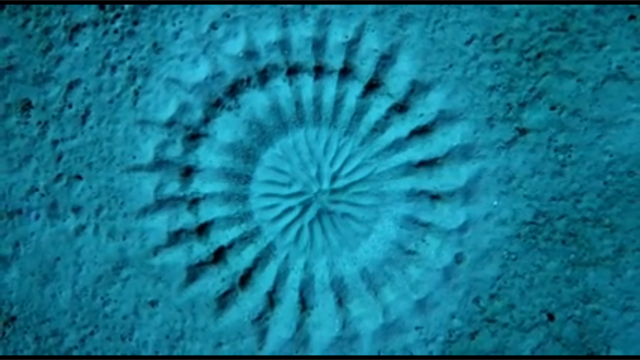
[319, 180]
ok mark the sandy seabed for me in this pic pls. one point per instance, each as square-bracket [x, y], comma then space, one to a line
[342, 179]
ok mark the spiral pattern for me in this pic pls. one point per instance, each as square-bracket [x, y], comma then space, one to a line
[299, 197]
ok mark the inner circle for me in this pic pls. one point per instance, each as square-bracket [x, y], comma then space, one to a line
[315, 187]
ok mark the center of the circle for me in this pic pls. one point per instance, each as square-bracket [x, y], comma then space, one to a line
[316, 187]
[321, 197]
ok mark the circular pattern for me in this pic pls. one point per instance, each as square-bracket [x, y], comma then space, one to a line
[315, 188]
[317, 200]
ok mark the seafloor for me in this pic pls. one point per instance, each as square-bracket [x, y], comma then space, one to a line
[320, 179]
